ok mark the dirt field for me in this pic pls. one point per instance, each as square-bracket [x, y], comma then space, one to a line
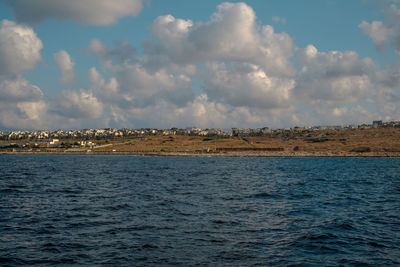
[368, 142]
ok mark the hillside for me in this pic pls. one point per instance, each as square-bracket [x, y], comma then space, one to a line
[349, 142]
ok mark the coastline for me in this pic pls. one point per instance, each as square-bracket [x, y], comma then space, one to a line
[374, 142]
[222, 154]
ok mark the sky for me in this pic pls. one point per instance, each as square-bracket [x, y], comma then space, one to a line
[212, 64]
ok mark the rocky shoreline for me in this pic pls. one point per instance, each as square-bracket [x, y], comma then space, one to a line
[224, 154]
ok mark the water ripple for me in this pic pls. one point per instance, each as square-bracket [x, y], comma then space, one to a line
[151, 211]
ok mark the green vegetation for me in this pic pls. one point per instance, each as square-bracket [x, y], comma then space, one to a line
[317, 140]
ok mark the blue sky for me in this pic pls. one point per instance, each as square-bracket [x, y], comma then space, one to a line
[326, 62]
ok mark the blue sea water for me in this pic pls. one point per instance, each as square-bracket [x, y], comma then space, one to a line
[151, 211]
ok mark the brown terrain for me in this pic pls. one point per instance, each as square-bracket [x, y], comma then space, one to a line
[351, 142]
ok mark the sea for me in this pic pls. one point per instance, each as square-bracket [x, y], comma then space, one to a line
[129, 210]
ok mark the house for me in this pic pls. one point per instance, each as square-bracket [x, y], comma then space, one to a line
[54, 141]
[377, 124]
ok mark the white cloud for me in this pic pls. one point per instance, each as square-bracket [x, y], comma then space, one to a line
[232, 34]
[122, 53]
[76, 105]
[96, 12]
[388, 104]
[98, 48]
[144, 87]
[246, 76]
[163, 114]
[201, 112]
[18, 90]
[132, 83]
[246, 65]
[33, 111]
[389, 77]
[19, 48]
[66, 66]
[246, 85]
[107, 92]
[21, 104]
[339, 111]
[333, 76]
[340, 114]
[230, 71]
[385, 33]
[378, 32]
[24, 115]
[388, 95]
[100, 86]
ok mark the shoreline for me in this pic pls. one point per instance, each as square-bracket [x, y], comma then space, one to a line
[331, 143]
[224, 154]
[374, 142]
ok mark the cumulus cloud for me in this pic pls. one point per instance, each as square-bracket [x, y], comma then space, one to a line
[19, 48]
[123, 51]
[163, 114]
[333, 76]
[246, 76]
[24, 115]
[98, 48]
[19, 90]
[96, 12]
[388, 95]
[144, 87]
[387, 32]
[132, 83]
[21, 104]
[336, 115]
[33, 111]
[245, 80]
[229, 71]
[201, 112]
[66, 66]
[389, 77]
[204, 112]
[246, 85]
[388, 104]
[378, 32]
[232, 34]
[76, 105]
[108, 91]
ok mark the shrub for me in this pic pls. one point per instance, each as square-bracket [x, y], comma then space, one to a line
[361, 149]
[317, 140]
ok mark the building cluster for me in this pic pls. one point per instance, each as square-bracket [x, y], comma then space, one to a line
[265, 131]
[110, 133]
[107, 133]
[251, 132]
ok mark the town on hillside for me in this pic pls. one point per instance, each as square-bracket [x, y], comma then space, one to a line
[107, 133]
[375, 139]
